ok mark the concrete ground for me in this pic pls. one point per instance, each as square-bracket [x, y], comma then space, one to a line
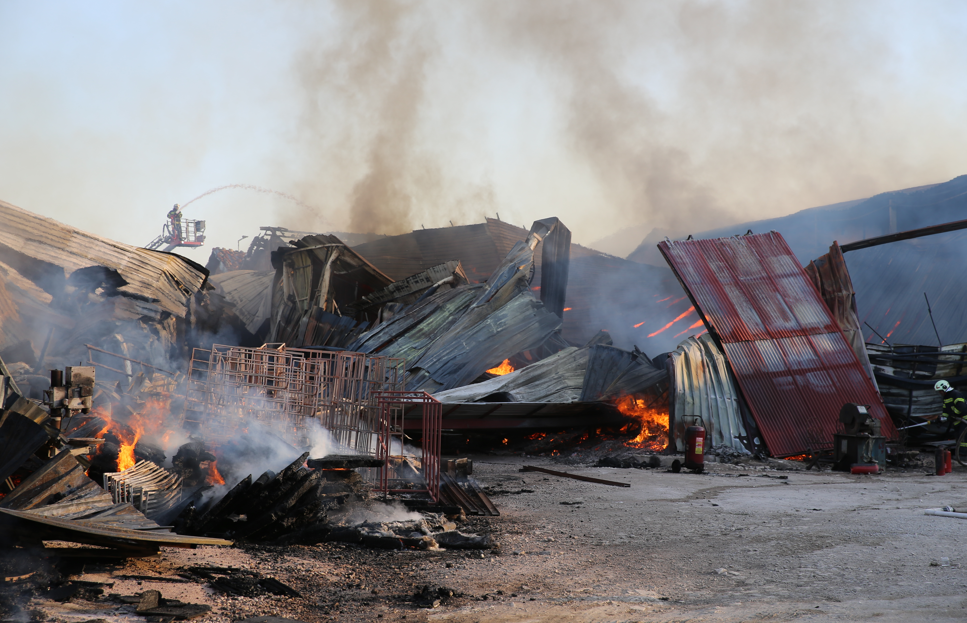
[737, 543]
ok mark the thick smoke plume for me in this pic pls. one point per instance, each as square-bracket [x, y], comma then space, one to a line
[388, 115]
[670, 114]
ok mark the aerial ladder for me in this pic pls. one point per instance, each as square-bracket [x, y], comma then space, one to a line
[178, 232]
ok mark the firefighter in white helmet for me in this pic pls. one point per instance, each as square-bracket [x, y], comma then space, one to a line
[954, 406]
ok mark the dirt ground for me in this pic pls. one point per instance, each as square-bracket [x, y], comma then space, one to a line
[751, 542]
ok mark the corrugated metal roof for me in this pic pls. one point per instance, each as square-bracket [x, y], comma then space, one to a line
[704, 386]
[251, 293]
[558, 379]
[792, 362]
[480, 247]
[168, 280]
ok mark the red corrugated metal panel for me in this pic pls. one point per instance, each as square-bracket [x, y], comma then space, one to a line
[791, 360]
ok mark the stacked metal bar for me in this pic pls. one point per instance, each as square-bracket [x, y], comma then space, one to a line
[149, 488]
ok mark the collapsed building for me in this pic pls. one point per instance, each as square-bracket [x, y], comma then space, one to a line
[321, 363]
[255, 397]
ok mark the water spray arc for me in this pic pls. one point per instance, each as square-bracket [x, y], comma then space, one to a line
[257, 189]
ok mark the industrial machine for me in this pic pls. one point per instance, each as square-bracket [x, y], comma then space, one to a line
[71, 392]
[861, 443]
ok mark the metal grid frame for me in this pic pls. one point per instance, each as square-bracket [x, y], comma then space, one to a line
[392, 411]
[229, 386]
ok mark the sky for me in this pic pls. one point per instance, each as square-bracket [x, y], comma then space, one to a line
[386, 116]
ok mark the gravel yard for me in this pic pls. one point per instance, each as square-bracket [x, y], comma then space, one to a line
[748, 542]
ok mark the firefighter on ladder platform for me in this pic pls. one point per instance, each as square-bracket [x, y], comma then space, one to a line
[174, 217]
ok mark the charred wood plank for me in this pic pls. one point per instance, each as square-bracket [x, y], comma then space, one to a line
[457, 540]
[600, 481]
[20, 437]
[60, 476]
[223, 507]
[345, 462]
[450, 488]
[296, 491]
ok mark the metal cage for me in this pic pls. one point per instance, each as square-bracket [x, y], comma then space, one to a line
[229, 387]
[392, 446]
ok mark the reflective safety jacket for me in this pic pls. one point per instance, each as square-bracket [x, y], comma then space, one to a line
[954, 404]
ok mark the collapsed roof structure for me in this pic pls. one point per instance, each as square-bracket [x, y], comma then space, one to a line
[63, 288]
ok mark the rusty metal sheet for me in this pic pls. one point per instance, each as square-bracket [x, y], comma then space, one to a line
[792, 362]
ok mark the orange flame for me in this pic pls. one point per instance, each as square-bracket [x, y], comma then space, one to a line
[502, 369]
[214, 478]
[126, 458]
[148, 421]
[688, 311]
[694, 326]
[654, 423]
[678, 300]
[664, 299]
[639, 324]
[567, 309]
[893, 329]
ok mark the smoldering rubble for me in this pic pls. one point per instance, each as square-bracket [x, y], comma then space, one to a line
[307, 394]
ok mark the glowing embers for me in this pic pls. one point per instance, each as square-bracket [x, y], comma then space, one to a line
[653, 422]
[502, 369]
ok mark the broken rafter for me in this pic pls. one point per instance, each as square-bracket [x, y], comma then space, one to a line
[904, 235]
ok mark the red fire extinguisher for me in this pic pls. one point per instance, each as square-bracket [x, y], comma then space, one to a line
[695, 447]
[940, 461]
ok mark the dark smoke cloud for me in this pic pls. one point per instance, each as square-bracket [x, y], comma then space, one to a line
[394, 114]
[678, 112]
[377, 69]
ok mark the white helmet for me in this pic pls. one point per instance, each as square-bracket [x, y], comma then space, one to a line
[942, 386]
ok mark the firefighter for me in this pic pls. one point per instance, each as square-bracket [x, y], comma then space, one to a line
[954, 407]
[174, 216]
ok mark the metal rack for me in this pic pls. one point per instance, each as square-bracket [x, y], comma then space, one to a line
[392, 438]
[230, 387]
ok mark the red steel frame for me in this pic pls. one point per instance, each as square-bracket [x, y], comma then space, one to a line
[392, 407]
